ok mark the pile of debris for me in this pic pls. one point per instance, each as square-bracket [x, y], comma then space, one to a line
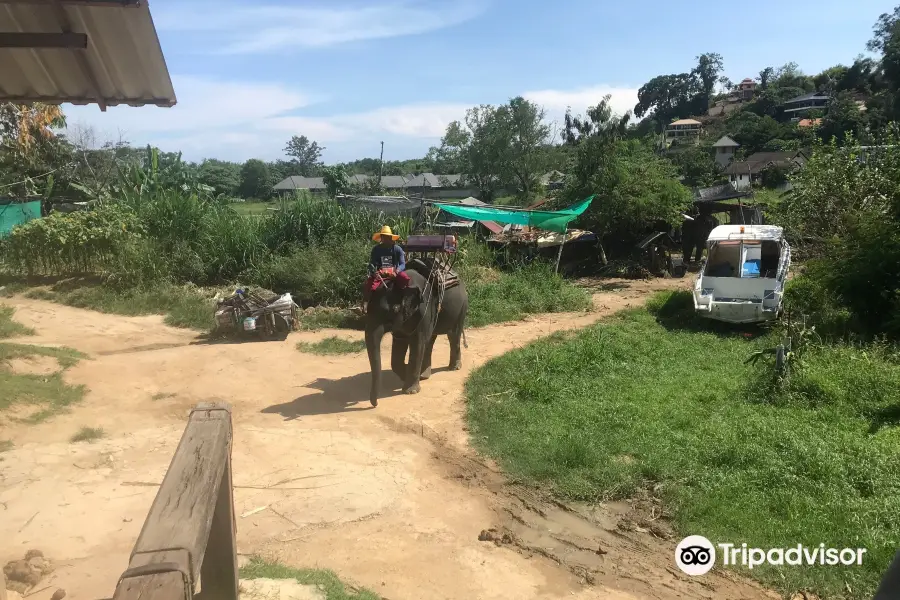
[25, 574]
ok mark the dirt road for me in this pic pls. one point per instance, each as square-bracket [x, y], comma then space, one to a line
[391, 498]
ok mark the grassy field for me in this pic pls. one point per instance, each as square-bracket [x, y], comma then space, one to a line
[254, 208]
[10, 328]
[326, 581]
[332, 346]
[654, 402]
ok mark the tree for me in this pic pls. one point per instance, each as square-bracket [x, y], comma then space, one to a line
[697, 166]
[765, 76]
[524, 161]
[843, 117]
[635, 188]
[707, 71]
[336, 180]
[223, 176]
[726, 83]
[306, 154]
[667, 96]
[255, 182]
[29, 150]
[600, 122]
[753, 132]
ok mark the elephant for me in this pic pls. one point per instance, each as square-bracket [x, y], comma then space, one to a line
[415, 319]
[695, 233]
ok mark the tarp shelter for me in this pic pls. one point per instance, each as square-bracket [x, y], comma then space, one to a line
[557, 221]
[82, 52]
[16, 213]
[491, 226]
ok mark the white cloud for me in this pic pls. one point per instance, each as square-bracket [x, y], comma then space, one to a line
[243, 29]
[203, 104]
[240, 120]
[622, 99]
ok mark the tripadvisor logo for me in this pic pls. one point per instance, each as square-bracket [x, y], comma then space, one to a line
[696, 555]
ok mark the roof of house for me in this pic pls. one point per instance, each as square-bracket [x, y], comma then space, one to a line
[295, 182]
[760, 160]
[110, 56]
[747, 80]
[809, 122]
[726, 142]
[391, 182]
[424, 180]
[685, 122]
[809, 96]
[717, 193]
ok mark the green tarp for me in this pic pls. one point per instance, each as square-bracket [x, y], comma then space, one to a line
[13, 214]
[557, 221]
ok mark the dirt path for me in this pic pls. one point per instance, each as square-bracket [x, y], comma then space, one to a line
[390, 498]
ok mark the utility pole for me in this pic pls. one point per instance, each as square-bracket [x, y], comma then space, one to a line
[381, 165]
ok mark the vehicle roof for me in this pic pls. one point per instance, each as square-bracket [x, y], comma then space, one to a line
[751, 232]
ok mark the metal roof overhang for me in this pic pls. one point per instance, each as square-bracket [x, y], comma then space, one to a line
[82, 52]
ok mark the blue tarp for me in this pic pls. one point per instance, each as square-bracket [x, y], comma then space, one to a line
[16, 213]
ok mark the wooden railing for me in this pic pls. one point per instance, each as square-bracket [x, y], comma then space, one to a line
[189, 534]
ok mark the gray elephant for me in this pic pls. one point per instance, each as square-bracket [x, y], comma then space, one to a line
[415, 318]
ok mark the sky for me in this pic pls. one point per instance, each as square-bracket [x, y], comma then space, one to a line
[350, 74]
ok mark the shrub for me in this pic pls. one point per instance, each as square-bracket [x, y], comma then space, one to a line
[80, 242]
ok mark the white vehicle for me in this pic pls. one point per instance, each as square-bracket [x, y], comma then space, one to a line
[742, 280]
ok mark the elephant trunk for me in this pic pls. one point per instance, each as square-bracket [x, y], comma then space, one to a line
[373, 346]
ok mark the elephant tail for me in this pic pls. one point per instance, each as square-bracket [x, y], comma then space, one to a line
[465, 343]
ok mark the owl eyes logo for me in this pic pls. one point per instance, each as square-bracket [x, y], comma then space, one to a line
[695, 555]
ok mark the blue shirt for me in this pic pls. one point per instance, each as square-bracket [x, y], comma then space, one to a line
[388, 258]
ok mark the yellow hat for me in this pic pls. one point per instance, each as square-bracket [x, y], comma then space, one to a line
[386, 230]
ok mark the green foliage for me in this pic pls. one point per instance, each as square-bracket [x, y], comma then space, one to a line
[820, 462]
[79, 242]
[10, 328]
[49, 394]
[697, 165]
[336, 180]
[635, 188]
[325, 581]
[498, 146]
[531, 289]
[222, 176]
[332, 346]
[255, 180]
[845, 209]
[306, 155]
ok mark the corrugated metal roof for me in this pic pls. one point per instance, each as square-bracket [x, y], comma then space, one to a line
[123, 62]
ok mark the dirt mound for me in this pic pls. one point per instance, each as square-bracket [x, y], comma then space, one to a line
[24, 574]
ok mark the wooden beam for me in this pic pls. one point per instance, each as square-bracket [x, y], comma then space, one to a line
[43, 40]
[65, 25]
[191, 521]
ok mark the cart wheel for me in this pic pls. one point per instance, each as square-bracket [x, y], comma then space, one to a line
[281, 327]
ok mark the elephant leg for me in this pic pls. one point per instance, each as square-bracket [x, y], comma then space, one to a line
[426, 359]
[414, 369]
[373, 346]
[398, 357]
[455, 351]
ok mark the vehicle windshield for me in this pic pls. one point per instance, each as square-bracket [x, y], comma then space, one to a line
[746, 259]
